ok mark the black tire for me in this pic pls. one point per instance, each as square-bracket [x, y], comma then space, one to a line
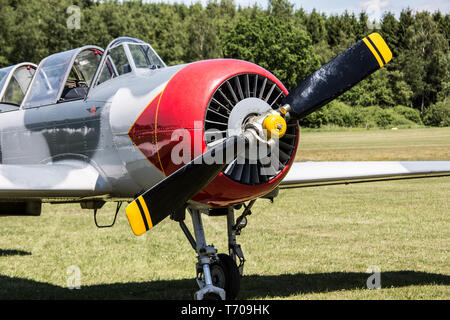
[225, 274]
[211, 297]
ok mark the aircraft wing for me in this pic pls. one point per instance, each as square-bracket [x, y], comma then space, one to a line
[71, 179]
[309, 174]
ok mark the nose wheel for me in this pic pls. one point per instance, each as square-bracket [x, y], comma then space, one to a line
[225, 275]
[218, 275]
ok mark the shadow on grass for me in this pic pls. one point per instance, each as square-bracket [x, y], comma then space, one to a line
[252, 287]
[286, 285]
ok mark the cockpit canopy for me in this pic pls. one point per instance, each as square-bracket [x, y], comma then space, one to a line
[14, 82]
[68, 75]
[64, 76]
[127, 55]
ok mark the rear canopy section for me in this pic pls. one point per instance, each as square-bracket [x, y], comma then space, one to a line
[14, 83]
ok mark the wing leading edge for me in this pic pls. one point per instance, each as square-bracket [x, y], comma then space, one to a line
[81, 180]
[309, 174]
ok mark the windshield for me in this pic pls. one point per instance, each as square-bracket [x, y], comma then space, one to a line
[144, 56]
[126, 55]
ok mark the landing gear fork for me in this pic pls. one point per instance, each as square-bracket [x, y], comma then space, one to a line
[218, 275]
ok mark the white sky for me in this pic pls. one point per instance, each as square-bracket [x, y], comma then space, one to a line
[374, 8]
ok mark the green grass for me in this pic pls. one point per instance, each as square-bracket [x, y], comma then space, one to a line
[360, 145]
[312, 243]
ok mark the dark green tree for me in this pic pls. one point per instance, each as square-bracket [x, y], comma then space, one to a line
[274, 44]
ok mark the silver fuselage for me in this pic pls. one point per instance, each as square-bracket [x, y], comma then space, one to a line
[92, 130]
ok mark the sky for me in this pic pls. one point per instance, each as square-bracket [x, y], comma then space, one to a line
[374, 8]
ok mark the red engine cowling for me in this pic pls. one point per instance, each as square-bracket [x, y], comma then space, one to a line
[204, 93]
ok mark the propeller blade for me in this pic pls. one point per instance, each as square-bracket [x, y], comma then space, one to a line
[173, 192]
[338, 75]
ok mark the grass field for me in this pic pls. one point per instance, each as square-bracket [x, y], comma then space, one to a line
[312, 243]
[360, 145]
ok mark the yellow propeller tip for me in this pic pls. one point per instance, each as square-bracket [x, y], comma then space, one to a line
[379, 48]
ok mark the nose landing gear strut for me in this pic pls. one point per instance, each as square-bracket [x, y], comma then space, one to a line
[218, 275]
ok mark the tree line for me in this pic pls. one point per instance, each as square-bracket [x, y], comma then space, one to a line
[414, 88]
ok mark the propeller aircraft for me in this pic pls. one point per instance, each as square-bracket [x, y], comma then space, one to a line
[210, 137]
